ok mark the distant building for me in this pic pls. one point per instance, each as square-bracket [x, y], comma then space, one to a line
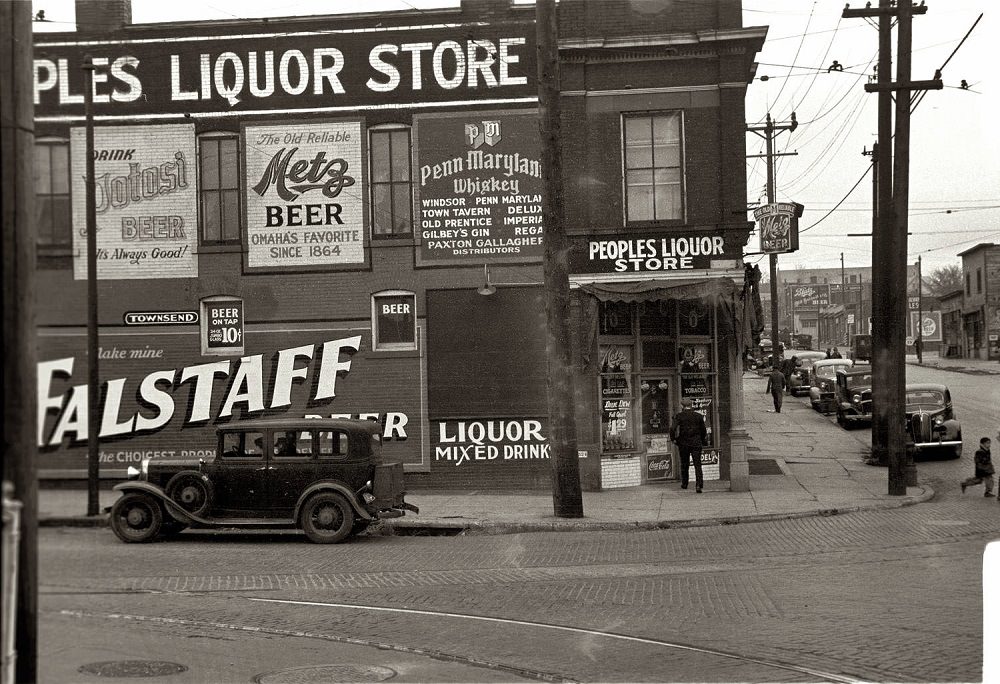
[980, 331]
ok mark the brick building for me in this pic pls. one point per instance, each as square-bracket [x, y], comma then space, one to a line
[980, 328]
[341, 216]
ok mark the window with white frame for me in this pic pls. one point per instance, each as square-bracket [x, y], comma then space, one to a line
[391, 187]
[394, 321]
[653, 166]
[53, 216]
[219, 188]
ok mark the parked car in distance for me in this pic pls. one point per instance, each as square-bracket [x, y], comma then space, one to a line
[799, 381]
[853, 395]
[323, 476]
[861, 348]
[822, 379]
[930, 420]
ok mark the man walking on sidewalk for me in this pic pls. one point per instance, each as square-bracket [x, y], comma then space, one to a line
[690, 435]
[776, 386]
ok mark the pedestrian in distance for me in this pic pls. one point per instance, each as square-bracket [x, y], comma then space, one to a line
[835, 354]
[984, 468]
[828, 352]
[776, 386]
[690, 434]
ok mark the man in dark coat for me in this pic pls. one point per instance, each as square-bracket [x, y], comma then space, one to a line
[776, 386]
[690, 435]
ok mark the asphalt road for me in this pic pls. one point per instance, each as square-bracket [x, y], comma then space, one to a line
[881, 596]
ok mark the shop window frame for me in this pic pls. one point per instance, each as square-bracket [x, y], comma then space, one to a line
[377, 344]
[677, 217]
[61, 243]
[394, 184]
[219, 192]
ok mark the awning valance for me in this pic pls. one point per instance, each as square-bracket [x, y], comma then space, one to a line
[651, 290]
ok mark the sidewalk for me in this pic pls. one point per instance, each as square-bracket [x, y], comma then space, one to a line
[971, 366]
[801, 464]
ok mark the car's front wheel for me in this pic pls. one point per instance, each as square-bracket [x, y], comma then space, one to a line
[327, 518]
[136, 518]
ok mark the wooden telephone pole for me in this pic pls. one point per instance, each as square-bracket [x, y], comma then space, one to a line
[770, 129]
[17, 270]
[567, 496]
[889, 241]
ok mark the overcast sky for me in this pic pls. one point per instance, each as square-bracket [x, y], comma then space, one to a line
[954, 167]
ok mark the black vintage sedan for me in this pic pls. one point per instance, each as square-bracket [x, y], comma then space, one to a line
[323, 476]
[931, 425]
[854, 396]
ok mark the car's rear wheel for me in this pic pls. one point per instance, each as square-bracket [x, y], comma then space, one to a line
[192, 491]
[136, 518]
[327, 518]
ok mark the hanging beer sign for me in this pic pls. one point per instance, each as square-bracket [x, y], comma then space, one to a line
[778, 226]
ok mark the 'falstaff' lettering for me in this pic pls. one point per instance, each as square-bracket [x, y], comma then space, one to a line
[247, 389]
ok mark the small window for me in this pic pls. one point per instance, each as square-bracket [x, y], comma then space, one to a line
[394, 321]
[219, 189]
[332, 444]
[291, 443]
[53, 218]
[968, 283]
[242, 445]
[654, 187]
[979, 280]
[391, 188]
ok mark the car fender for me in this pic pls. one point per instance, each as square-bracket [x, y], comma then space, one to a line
[952, 429]
[332, 486]
[169, 504]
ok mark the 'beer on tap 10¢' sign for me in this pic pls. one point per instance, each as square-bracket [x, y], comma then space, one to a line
[778, 225]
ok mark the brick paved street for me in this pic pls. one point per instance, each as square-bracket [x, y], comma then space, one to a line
[891, 595]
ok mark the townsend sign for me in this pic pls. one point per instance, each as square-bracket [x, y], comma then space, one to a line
[324, 69]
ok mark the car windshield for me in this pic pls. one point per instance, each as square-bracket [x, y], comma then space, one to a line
[864, 380]
[828, 371]
[924, 398]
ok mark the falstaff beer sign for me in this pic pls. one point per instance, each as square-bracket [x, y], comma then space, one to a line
[778, 224]
[478, 188]
[305, 195]
[145, 190]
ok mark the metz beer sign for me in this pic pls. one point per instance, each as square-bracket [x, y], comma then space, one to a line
[778, 226]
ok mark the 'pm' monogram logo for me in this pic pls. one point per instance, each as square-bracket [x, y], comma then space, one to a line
[487, 132]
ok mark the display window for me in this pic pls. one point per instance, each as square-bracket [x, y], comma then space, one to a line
[617, 420]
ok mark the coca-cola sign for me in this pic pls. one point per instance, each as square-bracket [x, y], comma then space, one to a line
[659, 466]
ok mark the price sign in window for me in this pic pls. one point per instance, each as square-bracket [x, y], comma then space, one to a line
[222, 326]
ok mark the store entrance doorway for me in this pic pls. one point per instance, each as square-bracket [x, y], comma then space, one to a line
[657, 407]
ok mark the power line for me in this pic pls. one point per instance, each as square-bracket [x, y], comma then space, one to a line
[853, 188]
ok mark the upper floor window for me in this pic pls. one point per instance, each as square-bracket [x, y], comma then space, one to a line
[219, 190]
[654, 184]
[390, 182]
[968, 283]
[979, 280]
[53, 217]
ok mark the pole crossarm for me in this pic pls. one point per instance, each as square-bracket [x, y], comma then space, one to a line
[776, 154]
[849, 13]
[932, 84]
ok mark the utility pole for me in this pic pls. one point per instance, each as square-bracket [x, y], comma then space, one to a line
[93, 383]
[843, 300]
[889, 242]
[918, 334]
[770, 129]
[19, 379]
[567, 497]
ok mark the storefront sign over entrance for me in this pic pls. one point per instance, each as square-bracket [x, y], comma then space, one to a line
[778, 225]
[478, 188]
[651, 253]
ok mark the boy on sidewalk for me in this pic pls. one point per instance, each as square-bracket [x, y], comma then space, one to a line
[984, 468]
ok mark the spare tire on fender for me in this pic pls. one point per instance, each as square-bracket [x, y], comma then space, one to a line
[192, 491]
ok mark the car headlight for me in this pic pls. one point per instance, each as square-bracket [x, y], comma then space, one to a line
[857, 398]
[938, 420]
[132, 472]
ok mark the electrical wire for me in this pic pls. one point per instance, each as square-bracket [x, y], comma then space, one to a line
[853, 188]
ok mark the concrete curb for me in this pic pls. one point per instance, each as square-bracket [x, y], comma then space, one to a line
[967, 370]
[488, 527]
